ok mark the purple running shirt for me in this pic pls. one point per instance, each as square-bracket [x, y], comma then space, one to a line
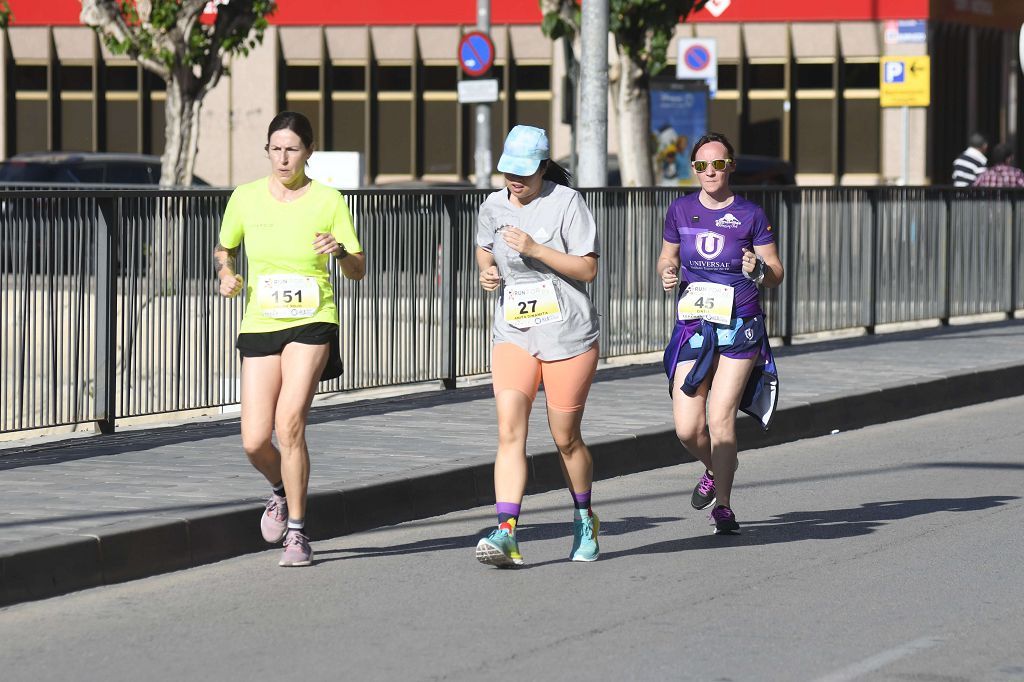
[711, 243]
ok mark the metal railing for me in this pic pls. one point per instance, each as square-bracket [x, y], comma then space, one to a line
[110, 310]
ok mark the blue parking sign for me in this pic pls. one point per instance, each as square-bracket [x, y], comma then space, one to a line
[895, 72]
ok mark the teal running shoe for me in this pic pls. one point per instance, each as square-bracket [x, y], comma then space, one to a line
[584, 538]
[500, 548]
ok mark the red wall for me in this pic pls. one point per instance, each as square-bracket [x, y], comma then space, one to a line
[402, 12]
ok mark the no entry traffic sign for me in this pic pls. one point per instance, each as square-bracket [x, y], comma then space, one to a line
[476, 53]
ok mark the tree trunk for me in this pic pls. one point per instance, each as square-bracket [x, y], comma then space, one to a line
[633, 107]
[181, 134]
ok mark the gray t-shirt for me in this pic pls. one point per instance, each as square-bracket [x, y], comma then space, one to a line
[558, 218]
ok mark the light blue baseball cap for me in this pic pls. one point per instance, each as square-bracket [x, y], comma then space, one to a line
[525, 148]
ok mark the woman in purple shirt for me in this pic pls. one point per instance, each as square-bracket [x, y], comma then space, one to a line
[720, 247]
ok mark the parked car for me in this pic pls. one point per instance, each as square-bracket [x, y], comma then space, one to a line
[750, 170]
[105, 168]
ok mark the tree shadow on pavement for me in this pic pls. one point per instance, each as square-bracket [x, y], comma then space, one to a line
[466, 543]
[829, 524]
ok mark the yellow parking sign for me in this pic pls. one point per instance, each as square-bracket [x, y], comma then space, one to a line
[905, 81]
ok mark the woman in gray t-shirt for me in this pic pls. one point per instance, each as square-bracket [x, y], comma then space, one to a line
[537, 247]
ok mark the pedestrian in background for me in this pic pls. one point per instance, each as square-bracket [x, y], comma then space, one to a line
[537, 246]
[971, 162]
[292, 228]
[1002, 173]
[719, 247]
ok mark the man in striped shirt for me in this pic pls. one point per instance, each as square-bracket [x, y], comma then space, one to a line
[971, 162]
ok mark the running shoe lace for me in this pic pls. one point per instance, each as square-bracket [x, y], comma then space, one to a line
[706, 484]
[588, 531]
[294, 539]
[274, 509]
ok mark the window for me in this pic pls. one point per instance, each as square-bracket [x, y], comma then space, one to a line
[122, 125]
[302, 78]
[441, 78]
[728, 76]
[346, 78]
[394, 143]
[349, 125]
[767, 76]
[122, 78]
[439, 136]
[75, 78]
[533, 77]
[394, 78]
[862, 116]
[814, 76]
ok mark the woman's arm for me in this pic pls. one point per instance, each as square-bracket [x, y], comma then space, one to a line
[773, 271]
[489, 277]
[353, 265]
[224, 265]
[668, 265]
[583, 268]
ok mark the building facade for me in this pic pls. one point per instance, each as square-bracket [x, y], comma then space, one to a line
[798, 80]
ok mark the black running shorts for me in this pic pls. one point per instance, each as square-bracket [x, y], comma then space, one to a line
[262, 344]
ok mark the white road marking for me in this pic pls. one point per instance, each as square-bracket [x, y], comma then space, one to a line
[852, 672]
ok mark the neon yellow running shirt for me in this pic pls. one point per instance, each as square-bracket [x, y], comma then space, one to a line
[287, 283]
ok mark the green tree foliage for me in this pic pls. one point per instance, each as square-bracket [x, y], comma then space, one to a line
[170, 38]
[642, 28]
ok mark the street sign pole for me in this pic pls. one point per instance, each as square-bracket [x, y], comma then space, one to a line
[906, 146]
[482, 154]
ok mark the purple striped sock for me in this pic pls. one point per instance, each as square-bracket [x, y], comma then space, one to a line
[507, 510]
[581, 500]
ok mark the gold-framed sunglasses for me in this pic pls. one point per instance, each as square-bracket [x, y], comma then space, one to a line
[717, 164]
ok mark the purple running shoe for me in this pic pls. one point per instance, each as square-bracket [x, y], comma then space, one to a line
[704, 492]
[297, 551]
[274, 521]
[724, 521]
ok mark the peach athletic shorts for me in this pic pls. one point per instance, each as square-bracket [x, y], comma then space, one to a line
[566, 382]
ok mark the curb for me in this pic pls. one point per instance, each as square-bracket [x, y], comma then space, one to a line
[152, 545]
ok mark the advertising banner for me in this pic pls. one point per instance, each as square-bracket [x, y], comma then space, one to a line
[679, 116]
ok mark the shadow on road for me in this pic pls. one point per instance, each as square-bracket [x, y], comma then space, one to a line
[526, 533]
[830, 524]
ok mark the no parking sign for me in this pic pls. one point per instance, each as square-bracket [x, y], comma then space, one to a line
[697, 59]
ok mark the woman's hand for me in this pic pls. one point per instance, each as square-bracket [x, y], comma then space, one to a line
[489, 278]
[231, 285]
[326, 243]
[519, 241]
[749, 261]
[670, 278]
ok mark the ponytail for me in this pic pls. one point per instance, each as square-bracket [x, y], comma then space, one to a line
[557, 174]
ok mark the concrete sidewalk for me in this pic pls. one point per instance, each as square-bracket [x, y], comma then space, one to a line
[104, 509]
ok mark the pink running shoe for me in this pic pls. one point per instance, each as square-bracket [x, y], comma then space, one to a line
[297, 551]
[274, 521]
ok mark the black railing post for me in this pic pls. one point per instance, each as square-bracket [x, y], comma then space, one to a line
[1014, 250]
[789, 284]
[105, 395]
[449, 369]
[873, 283]
[947, 297]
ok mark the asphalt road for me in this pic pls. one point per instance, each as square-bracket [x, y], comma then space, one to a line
[889, 553]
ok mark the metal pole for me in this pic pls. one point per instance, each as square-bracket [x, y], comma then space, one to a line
[593, 111]
[482, 155]
[906, 146]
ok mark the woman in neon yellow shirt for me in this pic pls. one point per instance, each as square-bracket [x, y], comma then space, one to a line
[292, 226]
